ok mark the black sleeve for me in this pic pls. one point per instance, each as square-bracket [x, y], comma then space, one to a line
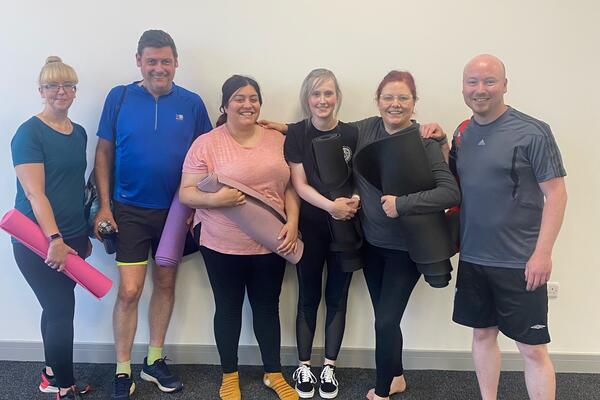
[293, 148]
[445, 194]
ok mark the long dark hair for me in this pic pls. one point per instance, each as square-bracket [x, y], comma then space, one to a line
[232, 85]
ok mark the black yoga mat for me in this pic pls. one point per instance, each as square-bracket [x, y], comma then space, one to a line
[397, 165]
[337, 179]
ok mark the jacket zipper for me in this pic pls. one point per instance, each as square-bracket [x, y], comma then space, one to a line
[155, 115]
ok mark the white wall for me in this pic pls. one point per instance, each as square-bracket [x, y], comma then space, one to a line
[550, 49]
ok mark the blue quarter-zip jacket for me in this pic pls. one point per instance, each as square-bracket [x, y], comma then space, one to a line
[151, 140]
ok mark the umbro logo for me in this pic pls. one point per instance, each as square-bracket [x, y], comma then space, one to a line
[481, 143]
[538, 327]
[179, 117]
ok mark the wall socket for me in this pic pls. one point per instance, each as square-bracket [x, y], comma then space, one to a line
[552, 288]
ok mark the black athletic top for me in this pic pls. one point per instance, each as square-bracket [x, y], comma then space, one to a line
[298, 149]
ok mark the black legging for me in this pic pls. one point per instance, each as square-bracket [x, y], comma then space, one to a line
[317, 239]
[230, 276]
[391, 277]
[54, 291]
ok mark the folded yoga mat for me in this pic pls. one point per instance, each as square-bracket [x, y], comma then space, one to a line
[172, 240]
[336, 177]
[397, 165]
[27, 232]
[259, 218]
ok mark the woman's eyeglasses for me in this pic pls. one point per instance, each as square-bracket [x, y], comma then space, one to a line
[55, 87]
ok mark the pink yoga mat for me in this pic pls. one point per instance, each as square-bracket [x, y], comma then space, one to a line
[172, 240]
[27, 232]
[259, 218]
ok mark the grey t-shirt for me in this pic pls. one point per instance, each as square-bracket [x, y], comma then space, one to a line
[500, 166]
[381, 230]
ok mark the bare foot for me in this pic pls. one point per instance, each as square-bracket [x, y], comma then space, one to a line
[372, 396]
[398, 385]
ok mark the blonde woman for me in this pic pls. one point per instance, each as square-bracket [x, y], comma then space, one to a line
[48, 152]
[320, 99]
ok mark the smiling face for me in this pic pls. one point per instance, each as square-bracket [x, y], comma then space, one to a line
[243, 107]
[58, 96]
[484, 85]
[396, 106]
[157, 66]
[322, 100]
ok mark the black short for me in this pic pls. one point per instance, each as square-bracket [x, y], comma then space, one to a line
[139, 231]
[492, 296]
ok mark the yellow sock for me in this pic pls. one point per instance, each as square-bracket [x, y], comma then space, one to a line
[124, 368]
[230, 387]
[276, 381]
[154, 353]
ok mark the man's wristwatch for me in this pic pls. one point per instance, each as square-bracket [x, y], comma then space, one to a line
[54, 236]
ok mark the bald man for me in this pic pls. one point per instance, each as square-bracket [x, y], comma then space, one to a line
[514, 197]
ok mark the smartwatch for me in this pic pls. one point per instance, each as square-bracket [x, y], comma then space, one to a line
[54, 236]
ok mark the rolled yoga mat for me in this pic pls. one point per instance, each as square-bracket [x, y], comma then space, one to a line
[336, 176]
[397, 165]
[259, 218]
[27, 232]
[172, 240]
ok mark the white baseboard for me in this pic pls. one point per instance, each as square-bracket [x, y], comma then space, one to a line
[250, 355]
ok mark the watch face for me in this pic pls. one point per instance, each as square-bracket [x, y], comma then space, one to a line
[55, 236]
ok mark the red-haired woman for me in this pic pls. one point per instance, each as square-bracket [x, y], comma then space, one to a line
[390, 273]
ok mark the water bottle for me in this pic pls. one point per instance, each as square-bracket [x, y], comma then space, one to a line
[108, 235]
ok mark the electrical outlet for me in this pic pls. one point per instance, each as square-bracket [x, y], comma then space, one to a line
[553, 290]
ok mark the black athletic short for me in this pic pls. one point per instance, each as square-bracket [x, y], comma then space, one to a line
[139, 231]
[491, 296]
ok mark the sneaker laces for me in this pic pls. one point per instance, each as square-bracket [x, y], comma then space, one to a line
[328, 375]
[162, 364]
[304, 374]
[163, 360]
[160, 370]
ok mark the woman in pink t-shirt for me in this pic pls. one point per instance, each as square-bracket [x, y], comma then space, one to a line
[252, 155]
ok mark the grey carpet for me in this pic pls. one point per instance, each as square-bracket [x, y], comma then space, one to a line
[19, 380]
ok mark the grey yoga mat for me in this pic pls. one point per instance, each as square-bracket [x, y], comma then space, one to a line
[398, 165]
[259, 218]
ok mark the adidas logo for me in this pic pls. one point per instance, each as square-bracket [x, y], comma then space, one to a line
[538, 327]
[481, 143]
[179, 117]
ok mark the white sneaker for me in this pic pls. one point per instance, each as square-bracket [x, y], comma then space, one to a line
[305, 382]
[329, 385]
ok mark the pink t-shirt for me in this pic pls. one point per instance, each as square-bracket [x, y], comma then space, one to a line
[262, 168]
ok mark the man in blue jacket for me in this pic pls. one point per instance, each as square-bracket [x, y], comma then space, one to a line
[144, 133]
